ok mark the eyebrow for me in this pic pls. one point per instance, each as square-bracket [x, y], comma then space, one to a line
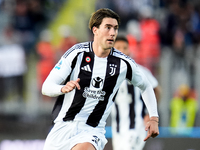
[110, 25]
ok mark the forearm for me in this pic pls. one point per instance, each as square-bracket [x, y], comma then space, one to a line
[150, 101]
[52, 86]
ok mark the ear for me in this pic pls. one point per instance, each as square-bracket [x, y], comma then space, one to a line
[94, 30]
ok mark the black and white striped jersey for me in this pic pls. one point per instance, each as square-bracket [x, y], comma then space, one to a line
[100, 79]
[127, 114]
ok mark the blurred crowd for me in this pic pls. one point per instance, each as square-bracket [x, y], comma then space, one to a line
[21, 24]
[151, 26]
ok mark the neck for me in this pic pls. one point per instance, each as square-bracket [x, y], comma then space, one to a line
[100, 51]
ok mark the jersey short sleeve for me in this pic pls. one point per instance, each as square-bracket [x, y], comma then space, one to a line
[153, 81]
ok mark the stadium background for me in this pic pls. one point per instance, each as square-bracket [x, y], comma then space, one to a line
[25, 122]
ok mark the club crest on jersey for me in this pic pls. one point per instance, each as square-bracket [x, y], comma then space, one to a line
[97, 82]
[88, 59]
[58, 66]
[112, 69]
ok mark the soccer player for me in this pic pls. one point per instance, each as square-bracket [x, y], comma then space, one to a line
[86, 79]
[129, 115]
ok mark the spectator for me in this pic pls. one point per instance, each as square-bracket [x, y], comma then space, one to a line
[68, 40]
[150, 40]
[46, 53]
[134, 37]
[12, 67]
[27, 20]
[183, 107]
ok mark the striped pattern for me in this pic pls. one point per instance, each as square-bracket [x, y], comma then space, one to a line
[100, 79]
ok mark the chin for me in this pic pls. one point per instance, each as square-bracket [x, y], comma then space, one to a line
[109, 47]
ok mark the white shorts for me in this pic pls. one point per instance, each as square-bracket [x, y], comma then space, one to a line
[131, 140]
[65, 135]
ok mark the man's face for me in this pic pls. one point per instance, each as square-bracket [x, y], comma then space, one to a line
[107, 32]
[122, 46]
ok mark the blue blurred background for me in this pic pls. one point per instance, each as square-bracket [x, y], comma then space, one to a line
[35, 33]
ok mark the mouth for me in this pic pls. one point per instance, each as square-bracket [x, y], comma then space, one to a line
[110, 40]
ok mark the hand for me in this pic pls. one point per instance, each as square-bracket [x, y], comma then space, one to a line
[70, 86]
[152, 128]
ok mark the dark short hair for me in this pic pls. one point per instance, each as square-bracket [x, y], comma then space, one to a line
[121, 38]
[99, 15]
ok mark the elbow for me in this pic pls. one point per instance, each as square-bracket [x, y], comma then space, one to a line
[51, 90]
[44, 89]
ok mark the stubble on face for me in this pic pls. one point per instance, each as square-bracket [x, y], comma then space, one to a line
[107, 33]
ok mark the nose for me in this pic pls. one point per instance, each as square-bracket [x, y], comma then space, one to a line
[113, 32]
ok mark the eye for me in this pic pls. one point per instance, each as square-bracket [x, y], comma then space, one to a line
[116, 28]
[108, 27]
